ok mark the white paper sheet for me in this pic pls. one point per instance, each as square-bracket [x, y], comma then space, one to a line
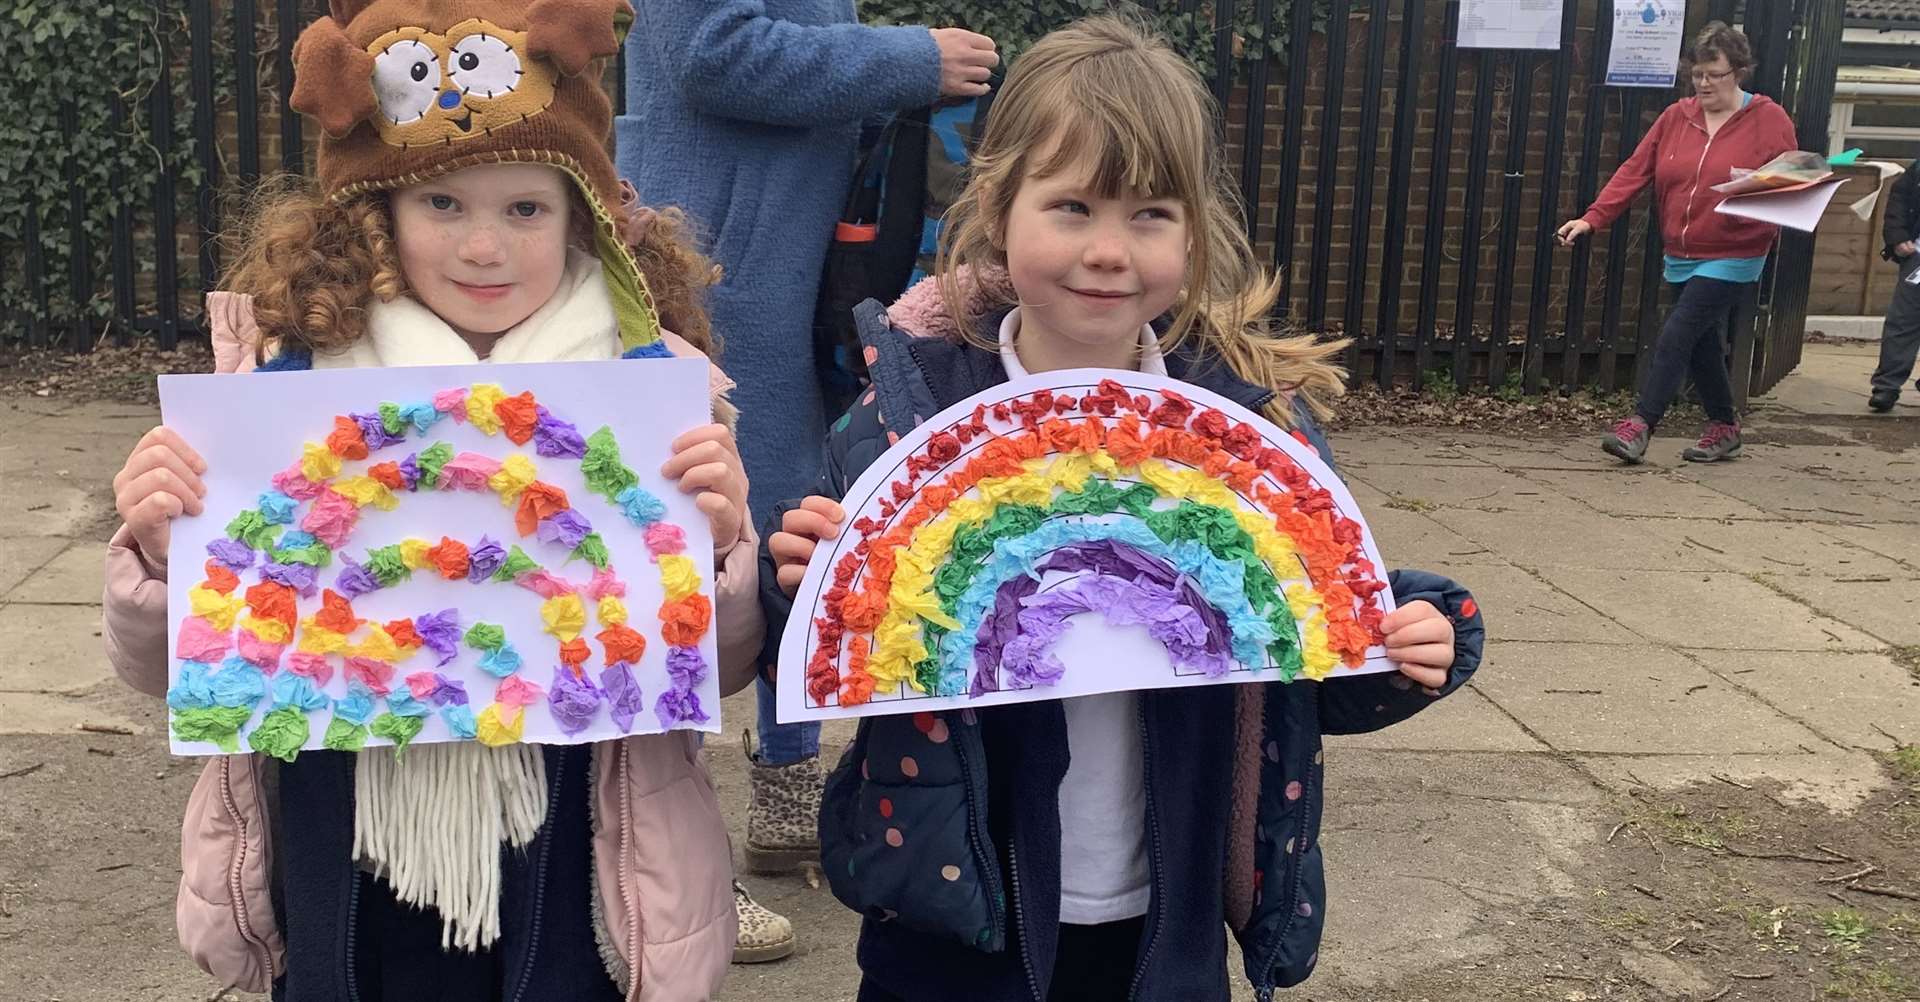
[1645, 51]
[1097, 657]
[1510, 24]
[1800, 210]
[249, 427]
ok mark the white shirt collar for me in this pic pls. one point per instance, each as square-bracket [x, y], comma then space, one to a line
[1152, 362]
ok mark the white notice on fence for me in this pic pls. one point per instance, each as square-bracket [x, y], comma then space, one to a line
[1646, 42]
[1510, 24]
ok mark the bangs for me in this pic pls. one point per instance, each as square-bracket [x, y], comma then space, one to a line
[1123, 141]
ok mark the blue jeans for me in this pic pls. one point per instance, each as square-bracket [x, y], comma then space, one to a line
[782, 744]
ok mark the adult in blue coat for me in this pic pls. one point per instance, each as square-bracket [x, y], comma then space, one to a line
[747, 114]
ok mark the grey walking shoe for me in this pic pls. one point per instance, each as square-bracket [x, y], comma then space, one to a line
[1628, 439]
[783, 815]
[1720, 441]
[764, 935]
[1882, 401]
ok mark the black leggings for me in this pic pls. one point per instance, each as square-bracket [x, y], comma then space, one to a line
[1094, 963]
[1693, 343]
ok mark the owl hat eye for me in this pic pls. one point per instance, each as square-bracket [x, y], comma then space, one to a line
[484, 65]
[406, 76]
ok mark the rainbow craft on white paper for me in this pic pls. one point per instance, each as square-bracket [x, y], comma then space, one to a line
[1204, 544]
[270, 654]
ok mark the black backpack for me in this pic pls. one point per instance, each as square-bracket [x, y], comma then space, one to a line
[889, 229]
[873, 250]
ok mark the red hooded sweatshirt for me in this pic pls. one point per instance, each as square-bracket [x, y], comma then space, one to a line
[1684, 165]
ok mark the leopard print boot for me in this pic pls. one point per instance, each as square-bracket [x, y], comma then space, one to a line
[783, 816]
[764, 935]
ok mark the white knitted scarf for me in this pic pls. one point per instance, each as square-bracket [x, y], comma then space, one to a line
[431, 822]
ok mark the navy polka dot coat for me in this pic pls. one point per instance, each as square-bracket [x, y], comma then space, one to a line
[943, 830]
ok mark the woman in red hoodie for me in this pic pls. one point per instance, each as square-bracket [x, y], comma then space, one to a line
[1711, 258]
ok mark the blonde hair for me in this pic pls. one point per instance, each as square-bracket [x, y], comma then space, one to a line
[311, 264]
[1104, 93]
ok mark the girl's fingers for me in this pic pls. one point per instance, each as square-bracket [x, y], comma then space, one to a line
[716, 476]
[172, 440]
[811, 524]
[155, 510]
[704, 433]
[162, 481]
[1425, 631]
[723, 516]
[695, 454]
[789, 577]
[1408, 614]
[160, 456]
[1436, 656]
[826, 508]
[161, 435]
[788, 548]
[163, 457]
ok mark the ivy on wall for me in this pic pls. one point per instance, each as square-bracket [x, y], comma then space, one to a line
[68, 65]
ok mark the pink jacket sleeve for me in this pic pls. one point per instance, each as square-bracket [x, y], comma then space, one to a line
[134, 615]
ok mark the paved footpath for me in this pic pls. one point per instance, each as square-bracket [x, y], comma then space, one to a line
[1654, 626]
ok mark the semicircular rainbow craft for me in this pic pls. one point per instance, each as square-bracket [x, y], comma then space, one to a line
[274, 646]
[1078, 532]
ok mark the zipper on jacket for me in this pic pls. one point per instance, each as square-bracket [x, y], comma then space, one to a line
[980, 841]
[1020, 925]
[626, 892]
[353, 933]
[1293, 889]
[540, 877]
[1155, 869]
[234, 867]
[1686, 217]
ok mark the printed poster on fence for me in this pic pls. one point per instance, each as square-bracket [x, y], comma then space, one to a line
[1646, 42]
[1078, 532]
[1510, 24]
[441, 553]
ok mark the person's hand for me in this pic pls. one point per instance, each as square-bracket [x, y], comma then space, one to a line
[706, 464]
[801, 529]
[1906, 249]
[1573, 230]
[159, 483]
[967, 60]
[1420, 641]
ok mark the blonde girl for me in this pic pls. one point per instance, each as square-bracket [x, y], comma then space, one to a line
[1097, 847]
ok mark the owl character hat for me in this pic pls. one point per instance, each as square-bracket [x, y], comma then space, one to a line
[410, 90]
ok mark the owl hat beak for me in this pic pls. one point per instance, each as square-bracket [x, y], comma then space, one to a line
[449, 100]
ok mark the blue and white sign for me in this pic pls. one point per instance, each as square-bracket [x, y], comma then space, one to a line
[1646, 42]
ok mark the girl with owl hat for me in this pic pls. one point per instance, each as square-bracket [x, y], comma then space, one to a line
[465, 210]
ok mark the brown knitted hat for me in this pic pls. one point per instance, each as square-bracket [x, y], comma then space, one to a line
[408, 90]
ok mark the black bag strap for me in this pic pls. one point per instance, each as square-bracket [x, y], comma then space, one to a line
[867, 172]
